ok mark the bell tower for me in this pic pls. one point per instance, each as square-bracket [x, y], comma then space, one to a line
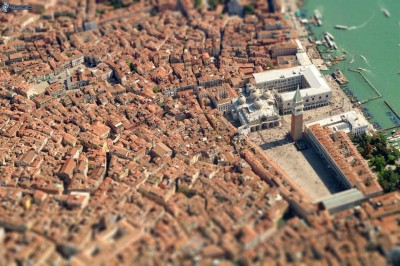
[296, 130]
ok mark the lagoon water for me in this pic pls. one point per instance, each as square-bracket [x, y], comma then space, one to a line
[371, 43]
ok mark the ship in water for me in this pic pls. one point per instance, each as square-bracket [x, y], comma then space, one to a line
[331, 44]
[341, 27]
[339, 77]
[329, 35]
[385, 12]
[318, 18]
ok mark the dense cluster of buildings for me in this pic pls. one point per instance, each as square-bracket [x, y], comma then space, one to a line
[114, 148]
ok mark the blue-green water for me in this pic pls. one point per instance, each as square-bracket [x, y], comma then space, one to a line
[372, 43]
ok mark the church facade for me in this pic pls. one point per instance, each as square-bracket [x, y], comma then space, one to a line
[255, 111]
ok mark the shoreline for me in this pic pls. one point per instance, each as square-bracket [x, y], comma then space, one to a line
[363, 88]
[373, 127]
[314, 46]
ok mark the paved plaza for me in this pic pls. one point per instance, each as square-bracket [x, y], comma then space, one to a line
[305, 167]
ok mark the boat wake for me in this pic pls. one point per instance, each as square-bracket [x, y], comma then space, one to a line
[365, 60]
[320, 10]
[363, 24]
[368, 71]
[352, 59]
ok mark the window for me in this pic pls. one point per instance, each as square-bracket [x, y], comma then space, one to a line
[320, 97]
[327, 96]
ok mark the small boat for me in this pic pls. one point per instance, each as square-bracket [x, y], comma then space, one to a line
[339, 58]
[317, 17]
[341, 27]
[329, 35]
[385, 12]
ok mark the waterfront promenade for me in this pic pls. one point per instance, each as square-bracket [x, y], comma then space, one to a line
[370, 44]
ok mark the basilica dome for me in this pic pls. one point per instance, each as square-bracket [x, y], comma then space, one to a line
[267, 94]
[241, 99]
[255, 94]
[258, 104]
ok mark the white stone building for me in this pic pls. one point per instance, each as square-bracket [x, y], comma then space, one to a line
[349, 122]
[255, 112]
[313, 87]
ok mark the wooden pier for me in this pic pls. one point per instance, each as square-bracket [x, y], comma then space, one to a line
[370, 99]
[379, 95]
[396, 114]
[391, 109]
[389, 128]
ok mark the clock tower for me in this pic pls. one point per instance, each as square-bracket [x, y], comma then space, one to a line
[296, 130]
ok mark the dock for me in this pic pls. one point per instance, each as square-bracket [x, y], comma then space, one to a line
[339, 77]
[391, 109]
[370, 99]
[379, 95]
[389, 128]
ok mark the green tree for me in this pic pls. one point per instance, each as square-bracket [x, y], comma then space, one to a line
[391, 159]
[382, 138]
[378, 162]
[367, 150]
[249, 9]
[100, 11]
[132, 67]
[389, 180]
[213, 3]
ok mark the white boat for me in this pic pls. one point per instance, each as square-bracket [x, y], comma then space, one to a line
[341, 27]
[386, 12]
[329, 35]
[318, 17]
[317, 14]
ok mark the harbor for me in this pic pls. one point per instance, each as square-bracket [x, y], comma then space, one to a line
[367, 58]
